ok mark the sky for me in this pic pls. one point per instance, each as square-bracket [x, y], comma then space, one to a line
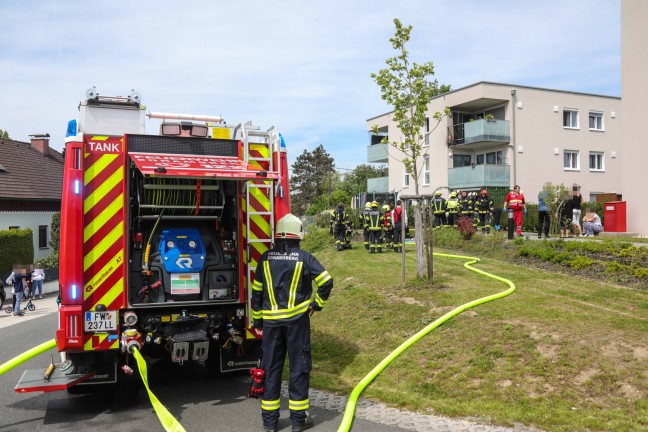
[303, 66]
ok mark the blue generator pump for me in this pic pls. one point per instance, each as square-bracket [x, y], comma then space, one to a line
[182, 250]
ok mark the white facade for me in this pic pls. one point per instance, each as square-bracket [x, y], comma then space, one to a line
[558, 137]
[33, 220]
[634, 64]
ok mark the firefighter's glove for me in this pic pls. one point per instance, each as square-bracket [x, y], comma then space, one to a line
[257, 385]
[525, 210]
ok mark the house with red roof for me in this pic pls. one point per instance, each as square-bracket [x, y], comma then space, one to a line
[31, 179]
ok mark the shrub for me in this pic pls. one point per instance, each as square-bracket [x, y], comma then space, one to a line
[16, 246]
[50, 262]
[466, 227]
[614, 267]
[316, 239]
[580, 262]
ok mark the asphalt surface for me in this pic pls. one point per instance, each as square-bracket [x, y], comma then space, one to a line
[199, 403]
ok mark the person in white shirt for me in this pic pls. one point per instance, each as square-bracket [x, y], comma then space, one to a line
[591, 223]
[37, 277]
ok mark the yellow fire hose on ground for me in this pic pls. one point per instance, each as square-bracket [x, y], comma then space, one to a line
[27, 355]
[347, 419]
[167, 420]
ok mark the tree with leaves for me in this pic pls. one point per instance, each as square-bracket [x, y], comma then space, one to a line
[355, 181]
[406, 87]
[312, 177]
[4, 135]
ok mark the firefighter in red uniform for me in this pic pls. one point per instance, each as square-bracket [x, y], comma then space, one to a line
[397, 221]
[281, 309]
[515, 200]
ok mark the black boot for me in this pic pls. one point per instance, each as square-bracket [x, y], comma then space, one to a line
[302, 427]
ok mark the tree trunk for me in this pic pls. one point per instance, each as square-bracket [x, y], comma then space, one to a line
[430, 246]
[419, 237]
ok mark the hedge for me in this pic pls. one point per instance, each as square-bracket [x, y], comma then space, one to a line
[16, 247]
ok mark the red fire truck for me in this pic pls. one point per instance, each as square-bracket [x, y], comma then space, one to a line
[160, 237]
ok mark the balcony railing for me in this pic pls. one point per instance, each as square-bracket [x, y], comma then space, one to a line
[496, 131]
[479, 175]
[378, 184]
[378, 153]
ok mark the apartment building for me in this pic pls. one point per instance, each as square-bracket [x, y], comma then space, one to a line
[501, 134]
[634, 89]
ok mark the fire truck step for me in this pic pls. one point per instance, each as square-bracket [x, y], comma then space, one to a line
[32, 381]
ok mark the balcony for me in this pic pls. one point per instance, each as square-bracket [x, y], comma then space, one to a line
[480, 131]
[378, 184]
[476, 176]
[378, 153]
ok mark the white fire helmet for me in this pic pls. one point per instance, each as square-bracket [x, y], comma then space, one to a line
[289, 227]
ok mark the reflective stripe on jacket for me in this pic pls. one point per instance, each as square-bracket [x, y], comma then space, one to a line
[282, 287]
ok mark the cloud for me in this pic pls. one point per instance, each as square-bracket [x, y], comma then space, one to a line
[303, 66]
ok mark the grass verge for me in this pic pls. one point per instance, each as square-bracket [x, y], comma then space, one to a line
[562, 353]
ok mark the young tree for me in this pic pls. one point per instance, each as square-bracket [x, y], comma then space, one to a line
[312, 175]
[406, 87]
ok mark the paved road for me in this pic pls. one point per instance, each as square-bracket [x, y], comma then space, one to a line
[199, 403]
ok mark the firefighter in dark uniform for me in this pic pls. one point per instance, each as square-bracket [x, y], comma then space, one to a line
[281, 310]
[348, 234]
[465, 206]
[364, 223]
[388, 227]
[375, 227]
[340, 222]
[452, 206]
[439, 208]
[485, 207]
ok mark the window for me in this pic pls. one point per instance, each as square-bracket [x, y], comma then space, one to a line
[42, 236]
[596, 161]
[406, 180]
[570, 118]
[571, 160]
[426, 136]
[460, 160]
[14, 227]
[596, 120]
[426, 170]
[490, 158]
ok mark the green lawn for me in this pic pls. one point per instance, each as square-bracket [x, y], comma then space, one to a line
[562, 353]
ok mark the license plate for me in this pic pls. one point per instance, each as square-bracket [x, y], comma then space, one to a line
[104, 321]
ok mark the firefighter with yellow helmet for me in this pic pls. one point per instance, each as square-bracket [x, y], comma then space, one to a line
[281, 309]
[375, 222]
[452, 206]
[388, 227]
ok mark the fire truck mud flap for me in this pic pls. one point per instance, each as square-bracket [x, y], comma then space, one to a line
[32, 380]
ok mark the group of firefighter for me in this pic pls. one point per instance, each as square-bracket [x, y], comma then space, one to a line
[382, 226]
[477, 208]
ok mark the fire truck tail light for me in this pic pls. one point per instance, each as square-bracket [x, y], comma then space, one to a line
[75, 292]
[73, 326]
[77, 187]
